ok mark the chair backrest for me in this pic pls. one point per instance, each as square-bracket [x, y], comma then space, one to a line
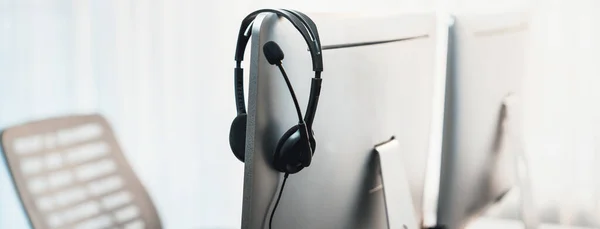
[70, 173]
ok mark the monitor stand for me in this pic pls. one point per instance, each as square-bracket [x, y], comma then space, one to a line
[510, 134]
[396, 192]
[512, 124]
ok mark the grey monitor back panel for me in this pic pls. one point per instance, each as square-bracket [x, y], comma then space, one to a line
[369, 94]
[486, 63]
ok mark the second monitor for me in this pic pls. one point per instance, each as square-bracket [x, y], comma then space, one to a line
[486, 67]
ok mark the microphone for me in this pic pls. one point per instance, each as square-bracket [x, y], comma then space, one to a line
[273, 53]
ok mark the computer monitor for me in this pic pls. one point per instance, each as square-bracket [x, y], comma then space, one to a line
[486, 67]
[378, 82]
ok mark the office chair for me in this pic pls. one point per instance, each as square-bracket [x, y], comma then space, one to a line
[70, 172]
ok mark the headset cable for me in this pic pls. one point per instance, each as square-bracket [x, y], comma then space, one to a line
[277, 201]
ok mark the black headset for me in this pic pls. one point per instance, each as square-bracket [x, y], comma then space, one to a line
[296, 147]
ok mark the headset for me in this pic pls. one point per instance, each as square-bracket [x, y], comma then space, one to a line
[296, 147]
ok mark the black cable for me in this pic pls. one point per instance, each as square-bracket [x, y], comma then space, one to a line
[289, 85]
[277, 201]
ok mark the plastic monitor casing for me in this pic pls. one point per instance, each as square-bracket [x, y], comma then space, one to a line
[369, 94]
[486, 64]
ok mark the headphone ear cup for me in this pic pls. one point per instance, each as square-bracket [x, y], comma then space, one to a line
[287, 156]
[237, 137]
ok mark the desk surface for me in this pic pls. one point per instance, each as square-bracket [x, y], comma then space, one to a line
[490, 223]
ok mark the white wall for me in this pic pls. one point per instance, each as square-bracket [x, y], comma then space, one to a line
[564, 113]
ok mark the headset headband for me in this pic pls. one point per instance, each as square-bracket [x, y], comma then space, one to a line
[312, 27]
[311, 39]
[308, 29]
[315, 89]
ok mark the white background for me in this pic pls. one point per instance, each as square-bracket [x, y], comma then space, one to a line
[161, 72]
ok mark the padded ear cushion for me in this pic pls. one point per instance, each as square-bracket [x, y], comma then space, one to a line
[237, 137]
[286, 158]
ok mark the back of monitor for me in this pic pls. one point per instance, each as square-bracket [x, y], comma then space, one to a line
[486, 65]
[370, 93]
